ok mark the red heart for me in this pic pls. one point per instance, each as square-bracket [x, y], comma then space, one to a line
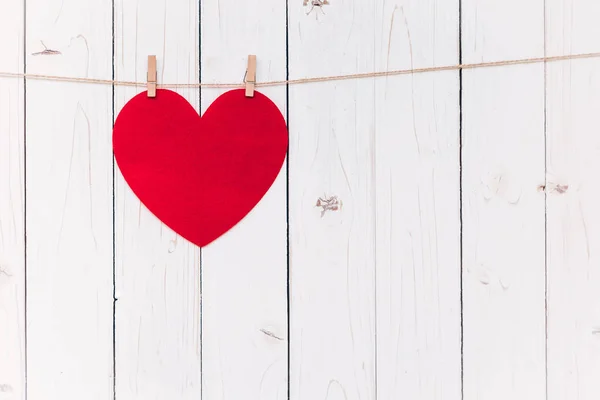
[200, 176]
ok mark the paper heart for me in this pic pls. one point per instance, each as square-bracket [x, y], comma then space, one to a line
[200, 176]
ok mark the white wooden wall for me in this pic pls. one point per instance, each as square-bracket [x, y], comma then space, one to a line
[462, 259]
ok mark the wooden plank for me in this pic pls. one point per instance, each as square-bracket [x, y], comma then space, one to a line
[69, 202]
[418, 203]
[244, 273]
[158, 348]
[12, 206]
[332, 203]
[503, 210]
[573, 157]
[573, 277]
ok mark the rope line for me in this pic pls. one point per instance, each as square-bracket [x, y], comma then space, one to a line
[457, 67]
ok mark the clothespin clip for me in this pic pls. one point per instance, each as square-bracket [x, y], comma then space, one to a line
[250, 76]
[151, 78]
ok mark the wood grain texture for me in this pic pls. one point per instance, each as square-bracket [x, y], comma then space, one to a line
[374, 207]
[503, 287]
[503, 209]
[573, 159]
[69, 202]
[244, 273]
[12, 206]
[418, 206]
[332, 203]
[157, 278]
[571, 27]
[573, 277]
[506, 30]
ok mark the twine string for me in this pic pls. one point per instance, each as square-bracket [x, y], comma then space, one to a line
[457, 67]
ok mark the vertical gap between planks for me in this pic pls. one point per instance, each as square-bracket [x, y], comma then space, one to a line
[374, 205]
[287, 187]
[201, 274]
[460, 191]
[114, 249]
[25, 190]
[545, 208]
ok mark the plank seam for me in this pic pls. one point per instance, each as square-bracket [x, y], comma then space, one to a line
[201, 319]
[114, 245]
[201, 307]
[460, 184]
[545, 209]
[287, 191]
[25, 333]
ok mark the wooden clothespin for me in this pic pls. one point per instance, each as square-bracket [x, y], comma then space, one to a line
[151, 79]
[250, 76]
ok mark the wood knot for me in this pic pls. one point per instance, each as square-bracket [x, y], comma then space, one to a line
[561, 189]
[315, 3]
[331, 203]
[46, 52]
[554, 188]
